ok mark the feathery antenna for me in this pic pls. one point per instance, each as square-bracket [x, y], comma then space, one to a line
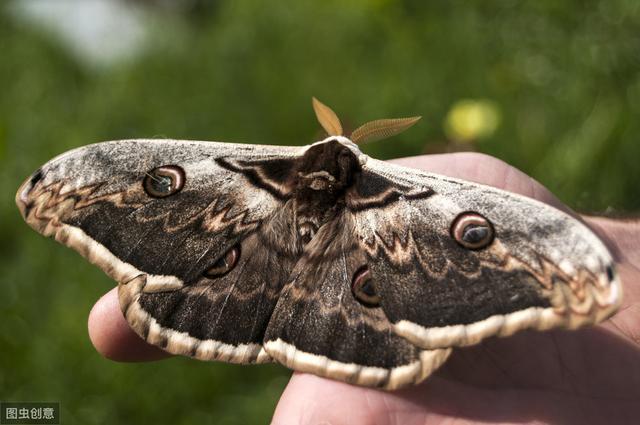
[327, 118]
[369, 132]
[381, 129]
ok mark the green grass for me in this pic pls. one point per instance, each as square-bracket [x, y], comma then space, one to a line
[563, 76]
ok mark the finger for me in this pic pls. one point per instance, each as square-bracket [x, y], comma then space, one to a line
[484, 169]
[309, 399]
[113, 338]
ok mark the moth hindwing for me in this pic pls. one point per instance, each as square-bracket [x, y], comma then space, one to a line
[316, 257]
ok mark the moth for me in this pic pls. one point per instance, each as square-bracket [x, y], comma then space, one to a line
[317, 257]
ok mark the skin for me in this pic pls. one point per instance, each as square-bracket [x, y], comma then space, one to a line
[589, 376]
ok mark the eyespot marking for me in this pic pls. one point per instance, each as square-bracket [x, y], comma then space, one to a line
[472, 230]
[164, 181]
[225, 264]
[364, 289]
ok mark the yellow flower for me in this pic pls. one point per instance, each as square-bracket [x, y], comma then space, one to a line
[472, 119]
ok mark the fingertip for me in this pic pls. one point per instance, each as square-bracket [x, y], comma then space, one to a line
[309, 399]
[113, 338]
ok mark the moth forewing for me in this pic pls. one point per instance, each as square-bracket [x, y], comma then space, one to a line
[543, 269]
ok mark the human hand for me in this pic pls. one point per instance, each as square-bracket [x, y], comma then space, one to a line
[588, 376]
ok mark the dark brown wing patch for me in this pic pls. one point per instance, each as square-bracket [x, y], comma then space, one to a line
[273, 175]
[371, 190]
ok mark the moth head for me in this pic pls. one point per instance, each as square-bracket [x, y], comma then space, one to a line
[328, 165]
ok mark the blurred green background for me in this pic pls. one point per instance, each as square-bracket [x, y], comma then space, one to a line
[551, 87]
